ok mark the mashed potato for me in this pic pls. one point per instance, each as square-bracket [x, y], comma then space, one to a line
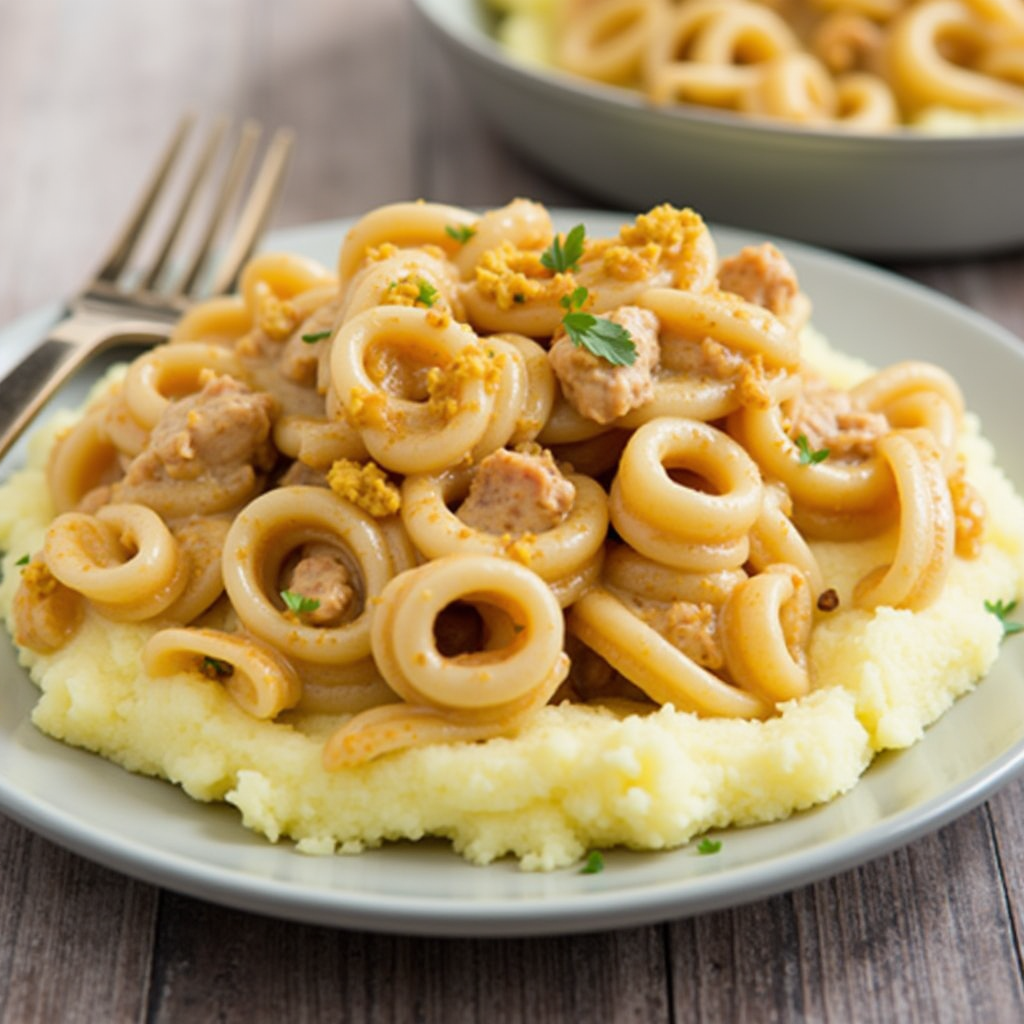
[575, 777]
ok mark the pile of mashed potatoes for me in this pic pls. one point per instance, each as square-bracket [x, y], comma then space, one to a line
[574, 778]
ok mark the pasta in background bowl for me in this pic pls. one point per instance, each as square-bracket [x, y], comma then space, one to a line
[898, 194]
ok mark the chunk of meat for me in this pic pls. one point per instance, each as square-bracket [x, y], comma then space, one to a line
[829, 420]
[517, 492]
[762, 275]
[300, 357]
[599, 390]
[209, 434]
[45, 613]
[691, 628]
[322, 576]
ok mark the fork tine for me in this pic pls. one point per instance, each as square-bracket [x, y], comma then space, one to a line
[255, 213]
[229, 190]
[120, 253]
[187, 201]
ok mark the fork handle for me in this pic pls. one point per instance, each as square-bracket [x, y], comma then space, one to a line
[33, 382]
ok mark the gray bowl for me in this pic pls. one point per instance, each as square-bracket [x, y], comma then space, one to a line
[895, 196]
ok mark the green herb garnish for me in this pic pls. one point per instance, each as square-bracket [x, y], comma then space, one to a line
[298, 603]
[808, 456]
[309, 339]
[601, 337]
[427, 293]
[24, 560]
[706, 846]
[1001, 609]
[594, 863]
[215, 668]
[561, 257]
[462, 233]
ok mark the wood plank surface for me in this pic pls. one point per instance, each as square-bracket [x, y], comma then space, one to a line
[88, 91]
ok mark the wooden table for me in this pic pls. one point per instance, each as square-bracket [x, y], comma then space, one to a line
[87, 95]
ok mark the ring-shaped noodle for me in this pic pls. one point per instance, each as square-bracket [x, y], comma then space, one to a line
[510, 397]
[764, 628]
[405, 435]
[170, 372]
[795, 87]
[927, 527]
[689, 514]
[318, 443]
[627, 570]
[541, 387]
[606, 625]
[124, 559]
[275, 525]
[865, 103]
[920, 72]
[524, 223]
[404, 225]
[467, 697]
[261, 681]
[727, 319]
[200, 541]
[563, 550]
[774, 539]
[219, 321]
[565, 425]
[284, 274]
[903, 379]
[490, 681]
[374, 283]
[82, 459]
[606, 40]
[830, 485]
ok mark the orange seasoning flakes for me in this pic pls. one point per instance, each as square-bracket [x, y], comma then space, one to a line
[365, 485]
[969, 512]
[512, 276]
[275, 317]
[444, 384]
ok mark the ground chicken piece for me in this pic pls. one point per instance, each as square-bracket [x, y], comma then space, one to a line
[209, 434]
[828, 419]
[45, 613]
[762, 275]
[691, 628]
[517, 492]
[320, 575]
[596, 388]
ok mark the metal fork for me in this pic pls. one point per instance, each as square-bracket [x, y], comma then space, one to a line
[122, 307]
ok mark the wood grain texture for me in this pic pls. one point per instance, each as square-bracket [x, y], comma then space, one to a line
[87, 92]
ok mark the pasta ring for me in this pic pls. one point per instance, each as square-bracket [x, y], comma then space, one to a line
[262, 536]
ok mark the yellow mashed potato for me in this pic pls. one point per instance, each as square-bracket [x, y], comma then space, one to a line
[575, 777]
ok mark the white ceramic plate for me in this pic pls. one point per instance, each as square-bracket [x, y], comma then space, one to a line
[895, 195]
[150, 830]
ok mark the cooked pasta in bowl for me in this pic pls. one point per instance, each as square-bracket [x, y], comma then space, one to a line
[890, 130]
[539, 541]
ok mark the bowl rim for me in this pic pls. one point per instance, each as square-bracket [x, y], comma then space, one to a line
[445, 16]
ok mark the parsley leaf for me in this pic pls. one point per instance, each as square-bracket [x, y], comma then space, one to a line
[462, 233]
[427, 292]
[309, 339]
[1001, 609]
[560, 257]
[215, 668]
[601, 337]
[298, 603]
[707, 846]
[594, 864]
[24, 560]
[808, 456]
